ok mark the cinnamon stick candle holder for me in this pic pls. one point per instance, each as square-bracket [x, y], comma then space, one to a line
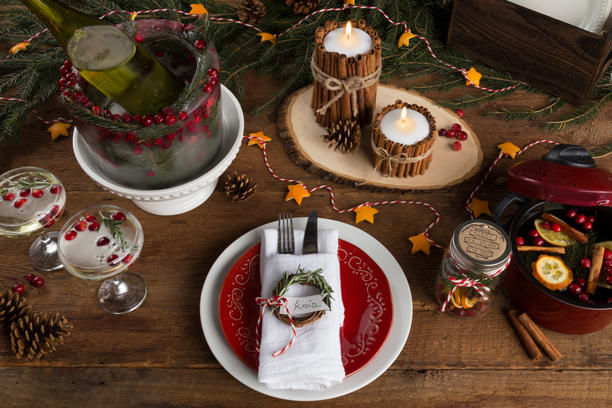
[345, 85]
[395, 158]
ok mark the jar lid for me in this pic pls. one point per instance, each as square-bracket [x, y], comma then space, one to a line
[566, 175]
[480, 245]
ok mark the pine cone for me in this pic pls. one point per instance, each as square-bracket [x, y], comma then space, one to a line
[343, 135]
[34, 335]
[238, 186]
[12, 307]
[251, 11]
[303, 6]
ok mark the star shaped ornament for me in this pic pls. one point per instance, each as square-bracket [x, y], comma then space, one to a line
[479, 207]
[58, 129]
[258, 135]
[404, 39]
[267, 37]
[365, 213]
[198, 9]
[297, 192]
[473, 77]
[22, 46]
[420, 243]
[509, 148]
[349, 3]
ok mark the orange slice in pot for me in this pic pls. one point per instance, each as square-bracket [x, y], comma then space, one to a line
[552, 272]
[554, 238]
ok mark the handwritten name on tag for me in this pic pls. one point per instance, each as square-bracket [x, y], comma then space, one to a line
[301, 306]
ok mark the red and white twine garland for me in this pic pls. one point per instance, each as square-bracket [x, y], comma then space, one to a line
[273, 301]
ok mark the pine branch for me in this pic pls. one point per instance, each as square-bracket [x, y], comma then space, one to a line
[583, 114]
[553, 105]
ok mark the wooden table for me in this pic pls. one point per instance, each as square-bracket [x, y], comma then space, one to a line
[157, 356]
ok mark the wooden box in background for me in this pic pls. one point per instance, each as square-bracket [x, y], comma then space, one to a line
[544, 52]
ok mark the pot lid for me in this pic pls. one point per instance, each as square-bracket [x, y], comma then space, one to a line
[566, 175]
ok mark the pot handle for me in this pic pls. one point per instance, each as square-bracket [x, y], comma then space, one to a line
[500, 208]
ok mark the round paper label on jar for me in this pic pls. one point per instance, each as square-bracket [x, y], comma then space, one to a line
[483, 241]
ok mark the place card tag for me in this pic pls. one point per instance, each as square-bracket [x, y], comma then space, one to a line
[301, 306]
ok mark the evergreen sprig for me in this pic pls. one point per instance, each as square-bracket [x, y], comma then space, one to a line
[115, 230]
[24, 184]
[301, 277]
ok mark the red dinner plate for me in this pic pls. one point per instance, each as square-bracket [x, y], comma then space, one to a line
[365, 293]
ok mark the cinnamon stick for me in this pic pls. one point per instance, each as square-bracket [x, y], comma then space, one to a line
[332, 112]
[581, 237]
[530, 347]
[539, 337]
[361, 72]
[345, 100]
[596, 264]
[548, 250]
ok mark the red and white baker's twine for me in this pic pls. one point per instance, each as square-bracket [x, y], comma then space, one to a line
[501, 154]
[273, 301]
[332, 198]
[465, 282]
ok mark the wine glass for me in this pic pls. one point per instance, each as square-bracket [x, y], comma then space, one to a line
[101, 242]
[32, 198]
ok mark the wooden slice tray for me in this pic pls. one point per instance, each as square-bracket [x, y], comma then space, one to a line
[302, 137]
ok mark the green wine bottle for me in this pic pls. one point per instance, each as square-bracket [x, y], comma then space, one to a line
[108, 59]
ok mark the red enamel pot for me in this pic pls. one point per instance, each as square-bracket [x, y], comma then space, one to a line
[565, 178]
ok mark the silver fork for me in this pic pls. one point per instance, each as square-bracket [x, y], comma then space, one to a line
[286, 242]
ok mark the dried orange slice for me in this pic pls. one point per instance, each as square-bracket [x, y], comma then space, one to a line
[460, 300]
[468, 303]
[552, 272]
[554, 238]
[456, 298]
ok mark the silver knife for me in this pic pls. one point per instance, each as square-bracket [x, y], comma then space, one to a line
[310, 235]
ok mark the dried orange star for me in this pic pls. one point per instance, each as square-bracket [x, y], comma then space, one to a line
[22, 46]
[404, 39]
[420, 243]
[349, 3]
[365, 213]
[509, 148]
[297, 192]
[198, 9]
[58, 129]
[267, 37]
[479, 207]
[473, 77]
[258, 135]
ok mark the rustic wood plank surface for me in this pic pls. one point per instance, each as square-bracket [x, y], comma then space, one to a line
[158, 357]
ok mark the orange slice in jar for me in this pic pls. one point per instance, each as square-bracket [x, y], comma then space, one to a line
[554, 238]
[467, 302]
[456, 299]
[552, 272]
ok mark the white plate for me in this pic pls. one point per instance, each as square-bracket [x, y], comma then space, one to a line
[402, 313]
[589, 15]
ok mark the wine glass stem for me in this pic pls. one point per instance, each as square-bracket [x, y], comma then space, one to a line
[119, 286]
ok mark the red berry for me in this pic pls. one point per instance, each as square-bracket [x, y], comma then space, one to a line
[575, 288]
[581, 281]
[546, 225]
[158, 118]
[146, 120]
[96, 110]
[118, 216]
[459, 112]
[38, 281]
[213, 73]
[587, 226]
[199, 44]
[24, 193]
[130, 137]
[18, 288]
[182, 115]
[570, 213]
[456, 127]
[62, 82]
[209, 88]
[608, 263]
[461, 135]
[138, 38]
[158, 141]
[47, 221]
[534, 233]
[55, 189]
[170, 136]
[538, 241]
[520, 241]
[103, 241]
[556, 227]
[70, 235]
[159, 53]
[451, 133]
[609, 279]
[170, 120]
[36, 193]
[94, 226]
[137, 150]
[29, 277]
[126, 117]
[607, 254]
[20, 202]
[442, 132]
[197, 118]
[83, 100]
[112, 259]
[583, 297]
[80, 225]
[214, 81]
[586, 263]
[580, 219]
[54, 210]
[67, 93]
[591, 219]
[8, 197]
[137, 118]
[127, 258]
[151, 173]
[457, 146]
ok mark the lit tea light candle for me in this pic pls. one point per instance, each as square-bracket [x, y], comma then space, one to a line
[348, 41]
[405, 126]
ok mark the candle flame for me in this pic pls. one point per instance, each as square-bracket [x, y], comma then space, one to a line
[348, 30]
[403, 118]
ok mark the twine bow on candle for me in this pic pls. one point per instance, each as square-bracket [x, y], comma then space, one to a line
[274, 301]
[400, 158]
[341, 86]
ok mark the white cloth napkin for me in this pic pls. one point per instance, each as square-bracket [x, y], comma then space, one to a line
[313, 361]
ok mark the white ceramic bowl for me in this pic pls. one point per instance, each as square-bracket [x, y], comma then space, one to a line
[187, 196]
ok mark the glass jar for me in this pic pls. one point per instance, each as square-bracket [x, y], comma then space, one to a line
[472, 268]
